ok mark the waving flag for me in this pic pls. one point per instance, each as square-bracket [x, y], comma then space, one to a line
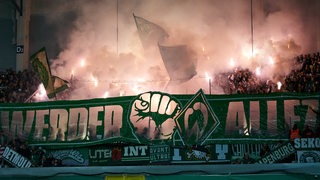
[150, 33]
[59, 84]
[179, 61]
[52, 84]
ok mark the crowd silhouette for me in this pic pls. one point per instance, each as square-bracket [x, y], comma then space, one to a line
[35, 154]
[17, 87]
[303, 79]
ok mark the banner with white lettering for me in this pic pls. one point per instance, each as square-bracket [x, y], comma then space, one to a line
[152, 116]
[16, 159]
[307, 143]
[156, 127]
[160, 153]
[277, 155]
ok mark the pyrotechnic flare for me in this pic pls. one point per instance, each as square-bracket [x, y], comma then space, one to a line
[232, 63]
[106, 94]
[82, 62]
[271, 61]
[258, 71]
[95, 80]
[279, 84]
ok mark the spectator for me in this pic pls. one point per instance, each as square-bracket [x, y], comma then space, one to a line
[247, 159]
[294, 132]
[264, 150]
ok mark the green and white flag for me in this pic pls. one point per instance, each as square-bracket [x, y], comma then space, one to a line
[150, 33]
[52, 84]
[180, 62]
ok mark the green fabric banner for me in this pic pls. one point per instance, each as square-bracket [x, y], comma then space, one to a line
[154, 117]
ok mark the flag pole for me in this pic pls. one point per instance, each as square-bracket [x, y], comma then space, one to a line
[33, 94]
[168, 83]
[251, 30]
[117, 27]
[210, 85]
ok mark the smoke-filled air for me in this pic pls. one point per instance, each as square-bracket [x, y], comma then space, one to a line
[102, 53]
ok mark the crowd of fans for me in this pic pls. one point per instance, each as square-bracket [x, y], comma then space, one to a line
[35, 154]
[306, 78]
[306, 132]
[17, 86]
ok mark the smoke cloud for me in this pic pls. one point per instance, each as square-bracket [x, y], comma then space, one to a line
[98, 47]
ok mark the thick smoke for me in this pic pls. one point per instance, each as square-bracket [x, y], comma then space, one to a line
[101, 54]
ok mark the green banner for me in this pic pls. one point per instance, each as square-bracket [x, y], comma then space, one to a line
[156, 117]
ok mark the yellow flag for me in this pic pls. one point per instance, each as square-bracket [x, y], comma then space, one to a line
[52, 84]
